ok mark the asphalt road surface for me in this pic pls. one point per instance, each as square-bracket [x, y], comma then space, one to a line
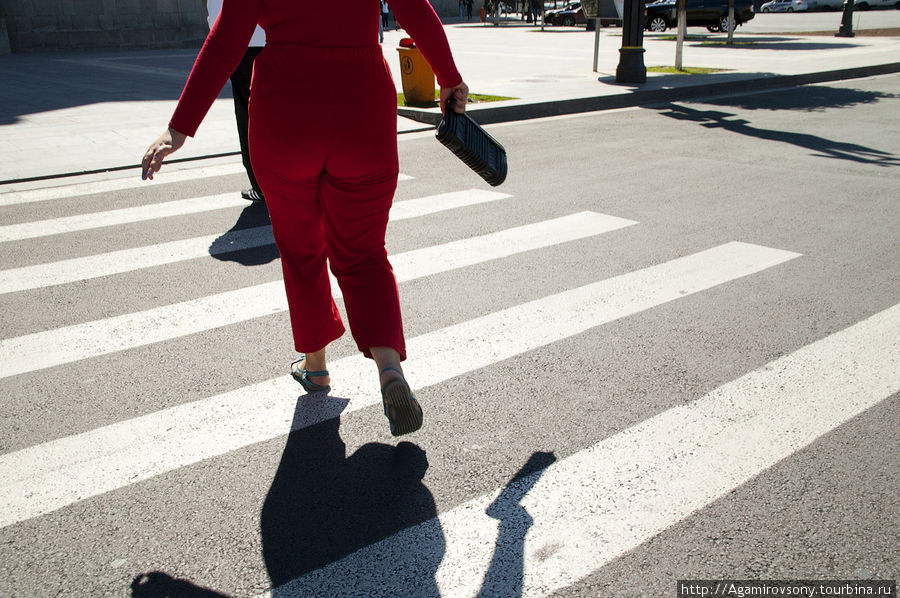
[668, 347]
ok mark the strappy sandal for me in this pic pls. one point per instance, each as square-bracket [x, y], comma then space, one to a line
[400, 405]
[302, 376]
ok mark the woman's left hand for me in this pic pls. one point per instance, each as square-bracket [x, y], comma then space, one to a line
[460, 95]
[167, 143]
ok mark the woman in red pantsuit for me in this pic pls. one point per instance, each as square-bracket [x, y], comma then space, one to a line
[323, 144]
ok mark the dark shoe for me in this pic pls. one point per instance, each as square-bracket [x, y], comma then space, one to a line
[252, 195]
[302, 376]
[400, 406]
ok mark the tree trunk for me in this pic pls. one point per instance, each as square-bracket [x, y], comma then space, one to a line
[682, 29]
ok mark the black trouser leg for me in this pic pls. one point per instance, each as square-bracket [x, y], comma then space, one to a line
[240, 88]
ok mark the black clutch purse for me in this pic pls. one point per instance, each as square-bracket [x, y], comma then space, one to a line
[478, 150]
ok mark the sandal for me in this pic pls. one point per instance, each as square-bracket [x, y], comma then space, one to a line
[302, 376]
[400, 405]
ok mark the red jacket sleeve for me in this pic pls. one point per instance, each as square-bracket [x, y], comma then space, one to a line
[221, 53]
[418, 18]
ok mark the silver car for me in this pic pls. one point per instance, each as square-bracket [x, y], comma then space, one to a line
[785, 6]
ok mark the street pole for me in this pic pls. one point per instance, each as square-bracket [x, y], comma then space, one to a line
[631, 67]
[731, 23]
[682, 31]
[846, 29]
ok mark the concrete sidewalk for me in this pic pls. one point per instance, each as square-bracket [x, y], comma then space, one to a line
[70, 113]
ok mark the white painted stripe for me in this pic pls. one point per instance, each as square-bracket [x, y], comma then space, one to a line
[116, 262]
[604, 501]
[15, 197]
[67, 224]
[47, 477]
[128, 260]
[81, 341]
[431, 204]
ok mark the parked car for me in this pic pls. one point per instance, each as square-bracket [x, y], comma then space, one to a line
[826, 4]
[867, 4]
[712, 14]
[784, 6]
[569, 15]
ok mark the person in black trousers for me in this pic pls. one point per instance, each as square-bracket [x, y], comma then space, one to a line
[240, 90]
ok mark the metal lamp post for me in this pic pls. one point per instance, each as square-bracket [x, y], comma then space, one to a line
[631, 67]
[846, 29]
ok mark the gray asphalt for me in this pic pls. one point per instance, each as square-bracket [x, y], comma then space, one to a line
[75, 112]
[811, 169]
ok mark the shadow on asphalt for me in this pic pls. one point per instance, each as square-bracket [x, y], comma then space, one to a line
[44, 82]
[324, 505]
[679, 80]
[157, 584]
[743, 44]
[808, 99]
[253, 216]
[753, 42]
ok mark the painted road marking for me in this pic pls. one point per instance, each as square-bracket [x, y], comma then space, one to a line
[128, 260]
[578, 514]
[24, 196]
[50, 348]
[14, 197]
[41, 479]
[68, 224]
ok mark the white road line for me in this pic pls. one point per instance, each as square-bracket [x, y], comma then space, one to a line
[132, 182]
[67, 224]
[116, 262]
[80, 341]
[9, 198]
[413, 208]
[55, 226]
[128, 260]
[47, 477]
[604, 501]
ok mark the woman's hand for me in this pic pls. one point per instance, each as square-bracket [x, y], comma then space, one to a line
[460, 94]
[167, 143]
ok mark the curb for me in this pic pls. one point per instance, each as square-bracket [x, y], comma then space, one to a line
[499, 114]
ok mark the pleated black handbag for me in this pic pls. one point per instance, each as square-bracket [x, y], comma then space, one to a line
[472, 144]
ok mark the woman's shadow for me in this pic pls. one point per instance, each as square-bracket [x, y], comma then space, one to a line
[249, 242]
[324, 505]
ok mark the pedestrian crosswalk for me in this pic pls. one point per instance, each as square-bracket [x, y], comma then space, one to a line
[561, 520]
[605, 500]
[72, 270]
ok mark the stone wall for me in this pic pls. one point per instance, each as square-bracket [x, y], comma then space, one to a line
[450, 8]
[35, 25]
[38, 25]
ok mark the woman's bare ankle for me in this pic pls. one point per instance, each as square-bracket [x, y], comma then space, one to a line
[388, 362]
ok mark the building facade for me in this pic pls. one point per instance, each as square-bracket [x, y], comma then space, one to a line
[38, 25]
[41, 25]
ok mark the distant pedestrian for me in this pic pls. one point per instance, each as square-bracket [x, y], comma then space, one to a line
[462, 8]
[469, 5]
[240, 91]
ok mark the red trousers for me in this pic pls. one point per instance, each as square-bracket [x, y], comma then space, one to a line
[323, 144]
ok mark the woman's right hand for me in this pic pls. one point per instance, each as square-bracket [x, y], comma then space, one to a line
[460, 95]
[167, 143]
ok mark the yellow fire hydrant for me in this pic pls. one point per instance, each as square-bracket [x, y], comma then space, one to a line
[415, 74]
